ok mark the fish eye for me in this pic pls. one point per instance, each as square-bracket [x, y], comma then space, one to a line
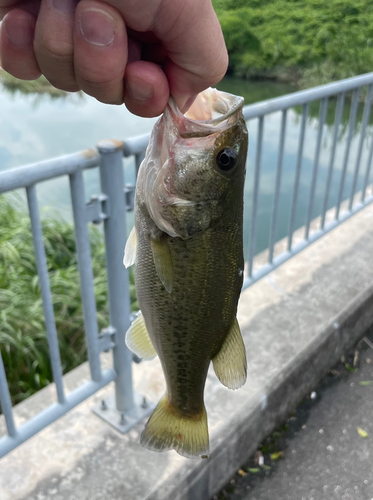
[226, 159]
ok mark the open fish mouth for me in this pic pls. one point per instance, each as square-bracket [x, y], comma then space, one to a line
[212, 111]
[178, 172]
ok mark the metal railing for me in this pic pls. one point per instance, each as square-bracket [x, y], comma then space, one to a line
[283, 104]
[110, 208]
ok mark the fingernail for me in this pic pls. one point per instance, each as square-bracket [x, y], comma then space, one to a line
[139, 89]
[96, 27]
[65, 5]
[19, 32]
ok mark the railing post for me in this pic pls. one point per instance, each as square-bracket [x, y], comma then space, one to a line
[112, 185]
[138, 159]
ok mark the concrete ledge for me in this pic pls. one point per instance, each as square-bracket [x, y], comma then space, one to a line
[296, 323]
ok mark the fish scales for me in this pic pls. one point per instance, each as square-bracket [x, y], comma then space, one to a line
[189, 268]
[193, 319]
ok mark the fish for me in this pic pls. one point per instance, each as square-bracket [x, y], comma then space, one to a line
[187, 243]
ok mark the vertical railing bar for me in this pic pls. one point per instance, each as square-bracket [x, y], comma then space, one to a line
[323, 111]
[5, 401]
[366, 115]
[254, 208]
[41, 265]
[138, 159]
[337, 123]
[112, 182]
[351, 127]
[367, 172]
[85, 273]
[294, 201]
[272, 236]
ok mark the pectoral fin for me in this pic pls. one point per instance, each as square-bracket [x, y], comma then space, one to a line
[138, 340]
[130, 250]
[163, 262]
[230, 363]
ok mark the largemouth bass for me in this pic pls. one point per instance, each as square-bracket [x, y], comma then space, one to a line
[188, 246]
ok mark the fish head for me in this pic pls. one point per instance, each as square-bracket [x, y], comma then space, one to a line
[194, 163]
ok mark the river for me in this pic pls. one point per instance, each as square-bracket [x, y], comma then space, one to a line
[34, 128]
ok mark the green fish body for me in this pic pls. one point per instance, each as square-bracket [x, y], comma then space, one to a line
[188, 247]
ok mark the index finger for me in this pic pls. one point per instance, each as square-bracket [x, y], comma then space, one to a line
[197, 54]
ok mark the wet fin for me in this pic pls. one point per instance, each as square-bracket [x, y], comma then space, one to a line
[130, 250]
[163, 262]
[230, 363]
[138, 340]
[167, 429]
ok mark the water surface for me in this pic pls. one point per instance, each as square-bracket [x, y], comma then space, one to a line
[270, 148]
[37, 128]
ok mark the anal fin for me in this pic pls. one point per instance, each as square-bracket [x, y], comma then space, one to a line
[138, 340]
[230, 363]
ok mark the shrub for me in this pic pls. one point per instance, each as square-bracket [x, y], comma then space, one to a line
[23, 339]
[265, 35]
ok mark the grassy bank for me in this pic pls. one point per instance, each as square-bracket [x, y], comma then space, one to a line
[23, 340]
[41, 86]
[303, 41]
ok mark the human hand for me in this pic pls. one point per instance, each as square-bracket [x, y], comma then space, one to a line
[131, 51]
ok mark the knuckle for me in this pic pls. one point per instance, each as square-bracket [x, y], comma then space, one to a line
[99, 75]
[111, 100]
[101, 78]
[22, 72]
[104, 90]
[60, 52]
[220, 68]
[56, 63]
[97, 78]
[70, 86]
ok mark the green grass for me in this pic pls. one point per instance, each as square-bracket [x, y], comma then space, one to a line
[23, 340]
[41, 86]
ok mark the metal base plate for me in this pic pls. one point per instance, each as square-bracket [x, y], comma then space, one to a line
[123, 422]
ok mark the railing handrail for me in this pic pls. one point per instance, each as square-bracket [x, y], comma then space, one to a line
[28, 175]
[303, 96]
[135, 145]
[63, 165]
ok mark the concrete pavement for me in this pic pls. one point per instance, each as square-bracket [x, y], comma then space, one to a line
[318, 453]
[296, 323]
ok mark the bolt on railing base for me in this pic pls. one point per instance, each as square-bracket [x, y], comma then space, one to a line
[124, 421]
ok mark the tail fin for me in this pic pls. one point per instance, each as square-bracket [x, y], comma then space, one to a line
[167, 430]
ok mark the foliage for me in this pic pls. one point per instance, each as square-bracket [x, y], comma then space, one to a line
[38, 87]
[329, 40]
[23, 340]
